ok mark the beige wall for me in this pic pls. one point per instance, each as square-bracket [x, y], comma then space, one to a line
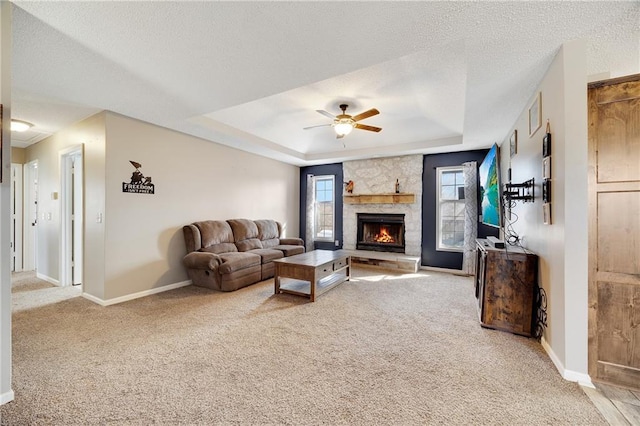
[137, 245]
[91, 134]
[562, 246]
[194, 180]
[18, 155]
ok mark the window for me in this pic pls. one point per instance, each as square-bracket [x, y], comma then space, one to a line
[323, 211]
[450, 212]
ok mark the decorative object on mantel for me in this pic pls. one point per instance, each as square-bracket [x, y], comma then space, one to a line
[139, 183]
[380, 199]
[535, 115]
[397, 186]
[349, 187]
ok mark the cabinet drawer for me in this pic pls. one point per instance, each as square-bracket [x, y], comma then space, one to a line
[339, 264]
[324, 270]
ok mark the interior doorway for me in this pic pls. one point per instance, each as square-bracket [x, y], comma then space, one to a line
[30, 216]
[72, 214]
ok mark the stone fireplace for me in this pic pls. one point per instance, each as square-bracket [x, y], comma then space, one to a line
[378, 176]
[380, 232]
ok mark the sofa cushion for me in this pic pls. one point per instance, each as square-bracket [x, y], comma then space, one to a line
[245, 233]
[268, 232]
[289, 250]
[213, 232]
[267, 255]
[220, 248]
[233, 262]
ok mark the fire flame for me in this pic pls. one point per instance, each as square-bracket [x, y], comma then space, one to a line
[384, 236]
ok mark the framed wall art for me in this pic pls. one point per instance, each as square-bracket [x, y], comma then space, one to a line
[546, 168]
[546, 213]
[546, 191]
[535, 114]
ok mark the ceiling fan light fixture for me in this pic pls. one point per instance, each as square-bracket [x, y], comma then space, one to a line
[344, 126]
[20, 126]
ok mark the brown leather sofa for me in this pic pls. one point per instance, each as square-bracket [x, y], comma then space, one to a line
[230, 254]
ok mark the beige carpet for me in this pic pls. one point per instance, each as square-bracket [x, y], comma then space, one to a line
[28, 292]
[382, 349]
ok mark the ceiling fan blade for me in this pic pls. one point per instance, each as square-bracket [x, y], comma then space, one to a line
[326, 114]
[369, 128]
[319, 125]
[366, 114]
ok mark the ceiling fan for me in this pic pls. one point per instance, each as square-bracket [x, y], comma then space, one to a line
[344, 123]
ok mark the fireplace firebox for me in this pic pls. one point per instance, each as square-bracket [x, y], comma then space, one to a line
[380, 232]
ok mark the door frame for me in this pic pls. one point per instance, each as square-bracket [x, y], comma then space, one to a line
[71, 216]
[16, 217]
[30, 217]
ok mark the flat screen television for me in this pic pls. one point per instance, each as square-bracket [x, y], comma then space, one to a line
[489, 175]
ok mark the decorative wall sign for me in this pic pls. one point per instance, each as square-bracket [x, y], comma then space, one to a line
[139, 184]
[535, 115]
[513, 143]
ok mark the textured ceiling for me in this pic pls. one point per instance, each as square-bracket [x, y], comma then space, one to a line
[444, 75]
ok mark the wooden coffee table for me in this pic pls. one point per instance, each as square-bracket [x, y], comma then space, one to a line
[313, 273]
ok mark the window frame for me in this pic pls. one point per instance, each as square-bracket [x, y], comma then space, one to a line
[332, 179]
[439, 203]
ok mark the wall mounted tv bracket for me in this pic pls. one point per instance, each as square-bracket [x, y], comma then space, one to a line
[524, 191]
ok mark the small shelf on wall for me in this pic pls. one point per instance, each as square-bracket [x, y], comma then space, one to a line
[392, 198]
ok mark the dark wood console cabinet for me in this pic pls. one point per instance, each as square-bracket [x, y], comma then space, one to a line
[506, 288]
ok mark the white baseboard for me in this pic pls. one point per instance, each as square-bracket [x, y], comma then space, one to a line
[6, 397]
[569, 375]
[48, 279]
[138, 295]
[446, 270]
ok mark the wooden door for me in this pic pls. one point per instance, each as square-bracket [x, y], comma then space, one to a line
[614, 231]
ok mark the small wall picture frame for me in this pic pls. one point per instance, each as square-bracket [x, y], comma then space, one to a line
[546, 168]
[546, 145]
[513, 143]
[535, 114]
[546, 191]
[546, 213]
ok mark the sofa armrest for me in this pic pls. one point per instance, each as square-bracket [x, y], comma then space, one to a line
[292, 241]
[202, 260]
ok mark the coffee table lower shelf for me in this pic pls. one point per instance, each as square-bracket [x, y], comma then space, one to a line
[303, 288]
